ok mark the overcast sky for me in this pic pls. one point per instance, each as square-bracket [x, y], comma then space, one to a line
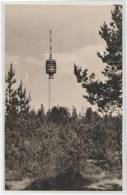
[75, 40]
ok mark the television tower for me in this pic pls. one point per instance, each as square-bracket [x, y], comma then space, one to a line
[50, 67]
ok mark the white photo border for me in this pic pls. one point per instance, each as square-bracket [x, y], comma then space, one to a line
[2, 83]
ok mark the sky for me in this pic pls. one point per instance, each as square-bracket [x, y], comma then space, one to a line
[76, 39]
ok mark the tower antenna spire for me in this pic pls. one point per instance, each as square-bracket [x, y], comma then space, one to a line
[50, 48]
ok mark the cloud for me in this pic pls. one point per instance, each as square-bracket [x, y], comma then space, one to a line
[27, 75]
[32, 60]
[66, 90]
[85, 57]
[12, 59]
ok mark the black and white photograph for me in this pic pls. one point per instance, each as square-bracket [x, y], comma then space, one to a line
[63, 96]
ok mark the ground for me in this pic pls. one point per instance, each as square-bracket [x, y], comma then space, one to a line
[93, 180]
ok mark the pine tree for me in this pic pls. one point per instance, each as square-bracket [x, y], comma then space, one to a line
[11, 102]
[107, 95]
[89, 114]
[23, 119]
[40, 116]
[23, 100]
[58, 115]
[74, 113]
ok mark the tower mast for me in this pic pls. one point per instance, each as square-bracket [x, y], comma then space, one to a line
[50, 66]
